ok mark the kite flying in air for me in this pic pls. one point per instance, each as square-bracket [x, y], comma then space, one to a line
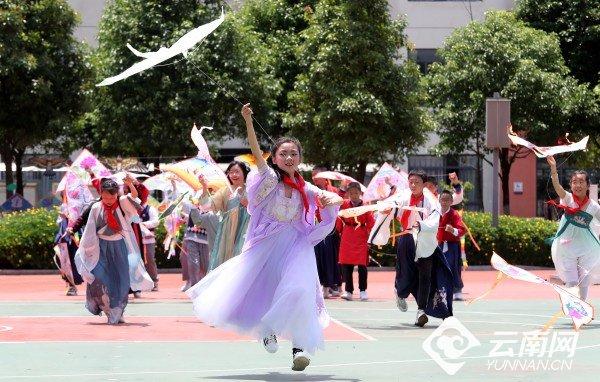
[181, 46]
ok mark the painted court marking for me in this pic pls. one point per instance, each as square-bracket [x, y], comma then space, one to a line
[138, 329]
[256, 369]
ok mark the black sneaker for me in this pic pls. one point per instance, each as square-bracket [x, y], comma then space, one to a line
[300, 359]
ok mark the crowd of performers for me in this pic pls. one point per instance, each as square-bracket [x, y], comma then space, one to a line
[259, 257]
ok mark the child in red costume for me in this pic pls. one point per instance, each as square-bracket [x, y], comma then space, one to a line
[353, 245]
[450, 231]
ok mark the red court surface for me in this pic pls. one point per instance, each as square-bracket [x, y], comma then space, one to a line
[380, 287]
[138, 328]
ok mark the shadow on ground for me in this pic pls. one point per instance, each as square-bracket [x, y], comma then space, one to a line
[274, 376]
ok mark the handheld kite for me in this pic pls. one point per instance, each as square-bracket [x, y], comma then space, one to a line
[543, 152]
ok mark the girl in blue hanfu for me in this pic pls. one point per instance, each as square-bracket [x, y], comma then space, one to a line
[575, 247]
[108, 257]
[272, 288]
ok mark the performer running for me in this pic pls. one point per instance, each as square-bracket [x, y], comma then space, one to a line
[421, 269]
[575, 247]
[272, 289]
[108, 258]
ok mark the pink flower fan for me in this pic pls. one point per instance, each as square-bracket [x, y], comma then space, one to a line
[88, 163]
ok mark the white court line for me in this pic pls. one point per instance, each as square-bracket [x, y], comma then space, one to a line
[458, 312]
[417, 328]
[255, 369]
[356, 331]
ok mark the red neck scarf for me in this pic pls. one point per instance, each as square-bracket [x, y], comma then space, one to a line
[111, 220]
[298, 185]
[414, 200]
[570, 210]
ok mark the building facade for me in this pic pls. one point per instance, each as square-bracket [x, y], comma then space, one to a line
[429, 23]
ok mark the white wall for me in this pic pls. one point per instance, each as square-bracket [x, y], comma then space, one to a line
[430, 22]
[89, 12]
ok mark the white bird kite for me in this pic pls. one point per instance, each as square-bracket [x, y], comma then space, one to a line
[181, 46]
[542, 152]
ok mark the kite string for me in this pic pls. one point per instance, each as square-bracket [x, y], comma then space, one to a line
[232, 96]
[219, 86]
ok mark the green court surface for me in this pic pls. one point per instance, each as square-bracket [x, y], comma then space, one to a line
[369, 341]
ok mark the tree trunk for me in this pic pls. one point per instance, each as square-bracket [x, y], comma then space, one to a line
[8, 158]
[504, 175]
[19, 174]
[362, 171]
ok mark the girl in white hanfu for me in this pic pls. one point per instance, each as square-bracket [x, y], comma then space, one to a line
[575, 247]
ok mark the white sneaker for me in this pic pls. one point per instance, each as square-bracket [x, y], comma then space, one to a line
[401, 304]
[363, 295]
[334, 293]
[458, 296]
[137, 294]
[270, 343]
[326, 293]
[421, 318]
[347, 296]
[300, 361]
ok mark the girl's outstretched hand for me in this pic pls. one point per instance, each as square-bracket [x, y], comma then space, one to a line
[247, 112]
[551, 161]
[330, 199]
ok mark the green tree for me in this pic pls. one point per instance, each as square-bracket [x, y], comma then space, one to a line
[42, 72]
[503, 54]
[279, 25]
[356, 100]
[150, 114]
[577, 25]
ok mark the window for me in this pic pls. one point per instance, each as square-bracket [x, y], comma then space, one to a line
[465, 167]
[424, 58]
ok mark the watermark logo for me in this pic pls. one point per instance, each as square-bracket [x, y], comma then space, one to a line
[510, 351]
[532, 351]
[448, 343]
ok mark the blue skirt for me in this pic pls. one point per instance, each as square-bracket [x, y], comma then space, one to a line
[454, 258]
[111, 282]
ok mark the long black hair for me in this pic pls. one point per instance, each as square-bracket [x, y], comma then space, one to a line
[242, 165]
[280, 173]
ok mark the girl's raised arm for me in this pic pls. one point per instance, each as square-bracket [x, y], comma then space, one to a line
[554, 176]
[247, 114]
